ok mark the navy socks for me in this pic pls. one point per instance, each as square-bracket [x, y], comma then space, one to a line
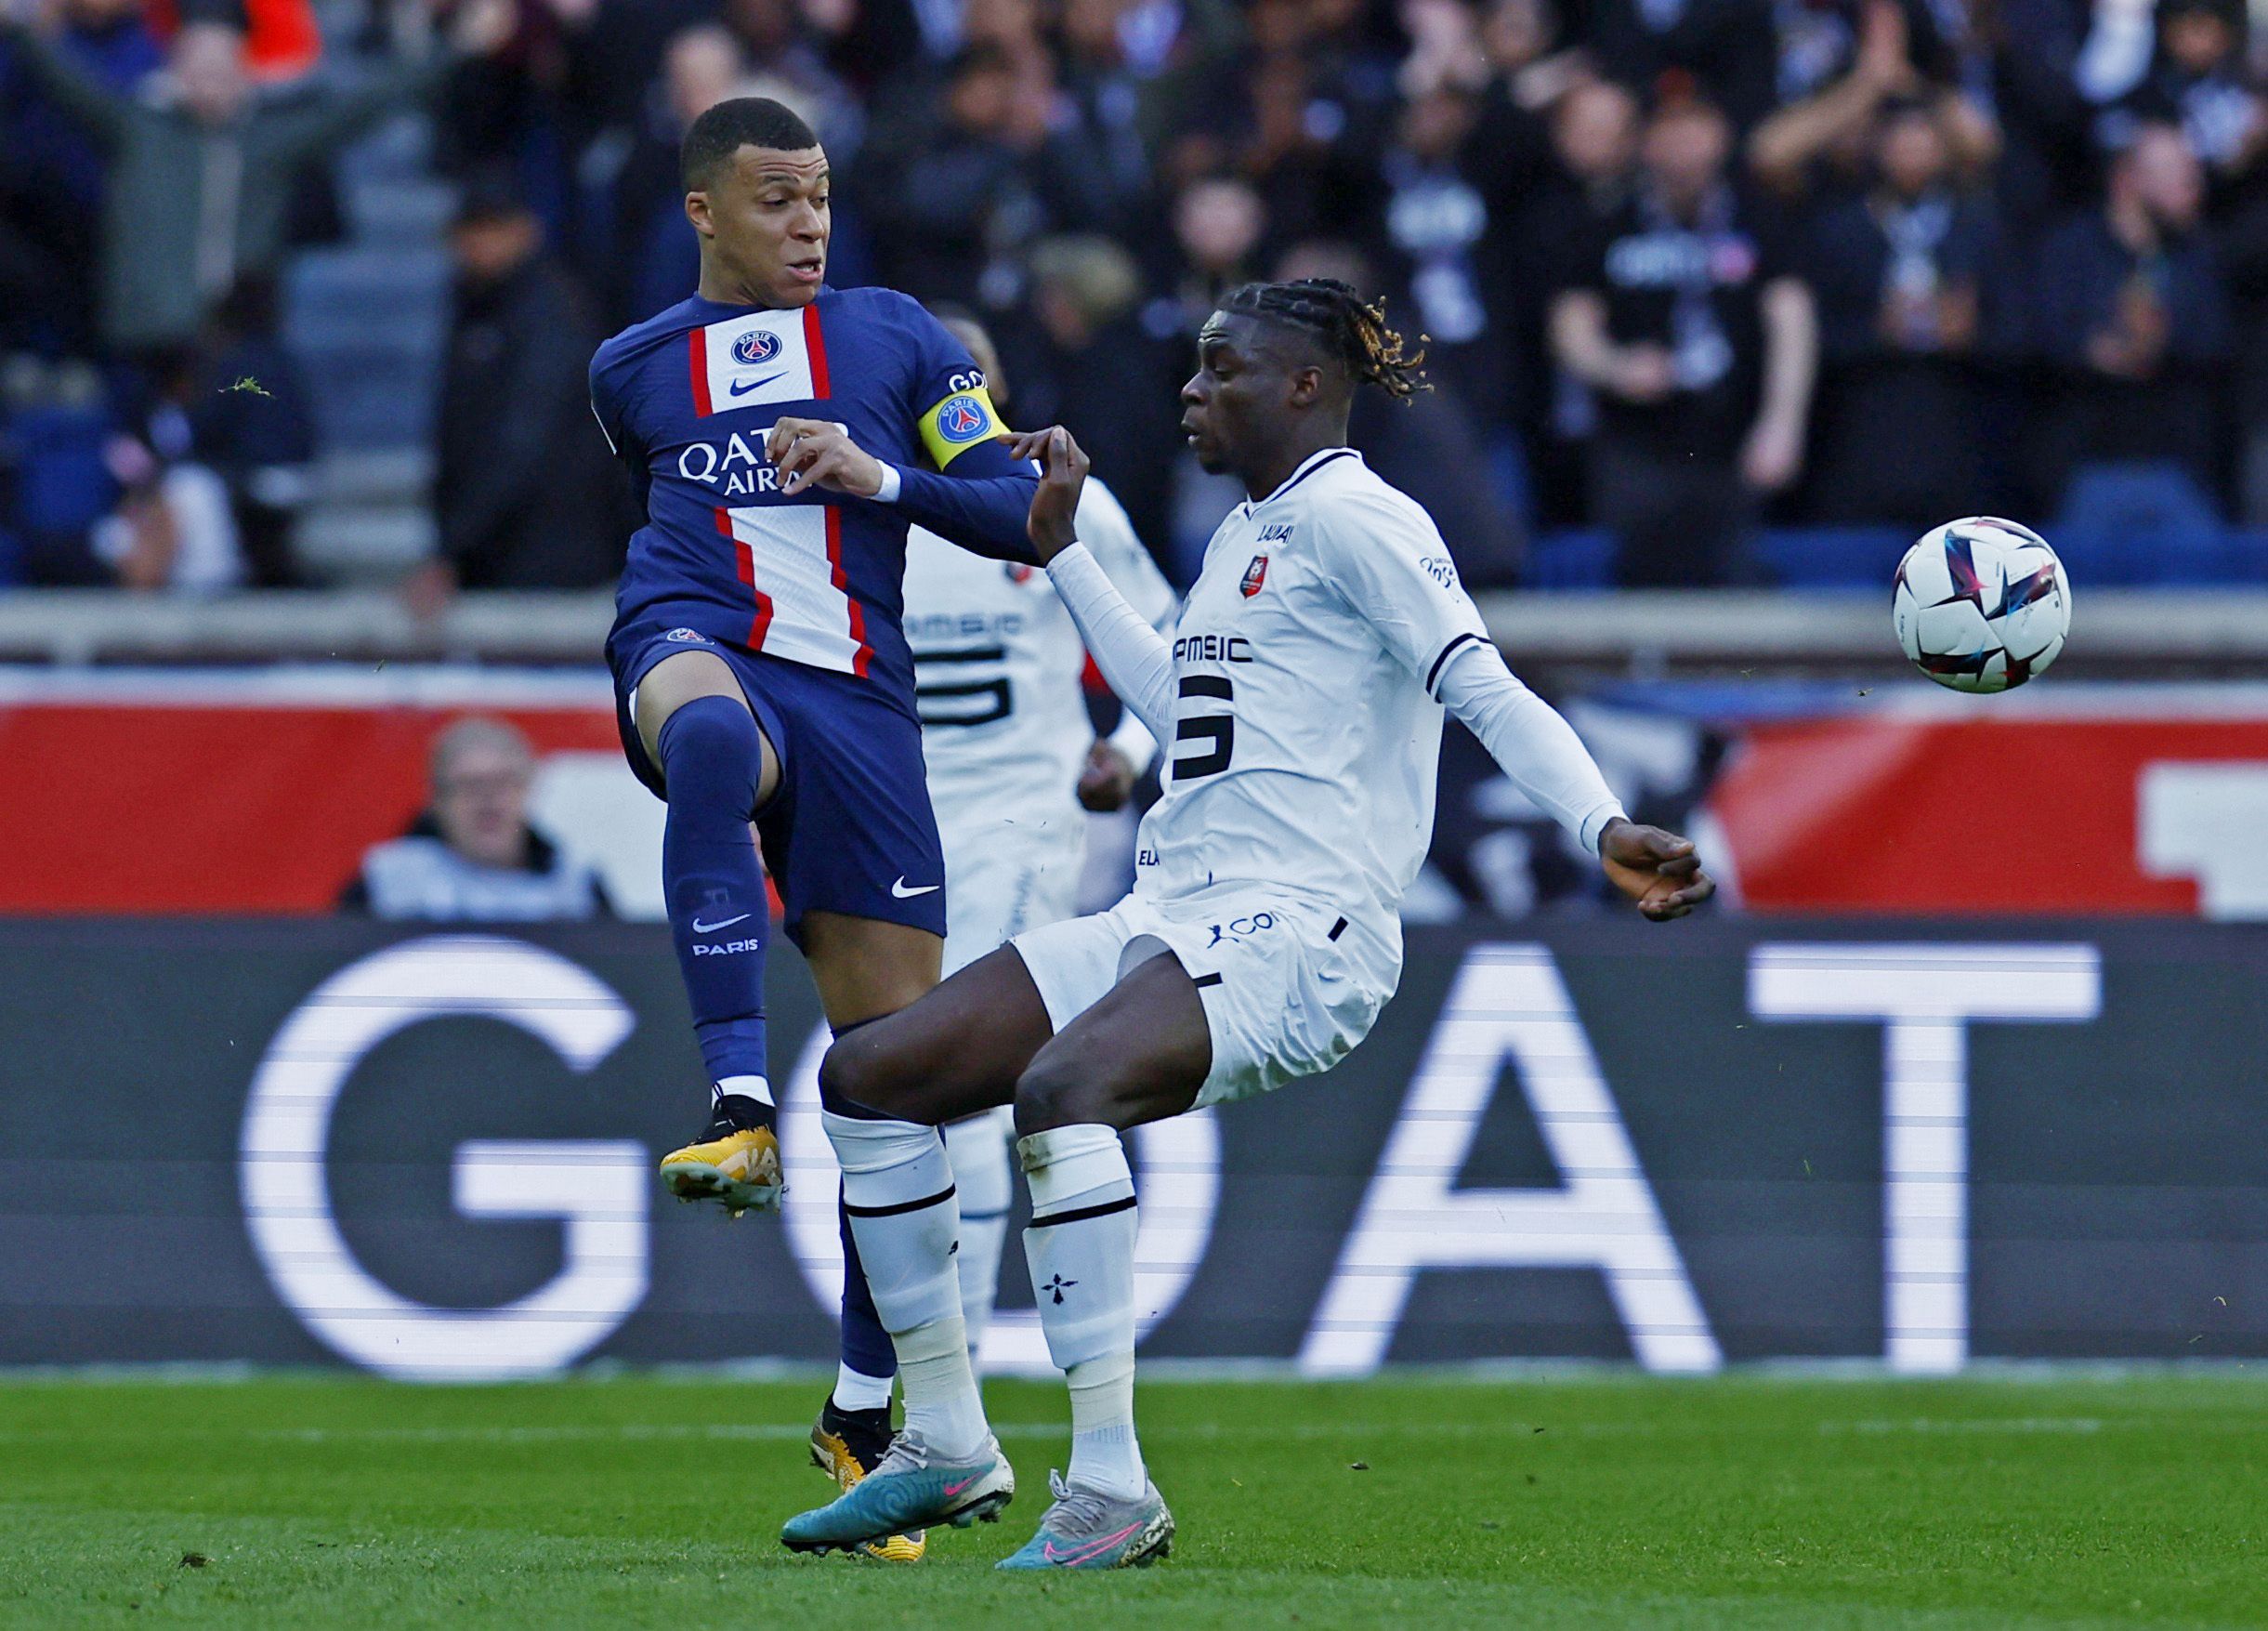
[719, 912]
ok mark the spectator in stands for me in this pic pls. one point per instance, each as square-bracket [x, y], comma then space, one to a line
[657, 259]
[246, 411]
[1434, 220]
[1086, 360]
[1899, 277]
[1727, 49]
[472, 856]
[1430, 445]
[2198, 80]
[1825, 140]
[51, 170]
[173, 528]
[199, 186]
[1594, 152]
[1700, 340]
[2133, 317]
[525, 494]
[957, 185]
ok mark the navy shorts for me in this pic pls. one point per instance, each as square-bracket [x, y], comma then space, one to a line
[849, 828]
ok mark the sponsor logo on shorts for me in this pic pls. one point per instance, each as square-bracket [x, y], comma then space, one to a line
[962, 420]
[758, 345]
[1242, 928]
[903, 893]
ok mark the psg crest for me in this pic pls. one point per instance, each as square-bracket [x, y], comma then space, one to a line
[1255, 576]
[758, 345]
[961, 420]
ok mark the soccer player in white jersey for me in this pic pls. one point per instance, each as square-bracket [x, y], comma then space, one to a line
[1013, 764]
[1301, 700]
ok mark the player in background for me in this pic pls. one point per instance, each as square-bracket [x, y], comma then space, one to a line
[1013, 764]
[782, 436]
[1301, 699]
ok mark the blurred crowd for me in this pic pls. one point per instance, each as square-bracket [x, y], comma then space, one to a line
[1683, 268]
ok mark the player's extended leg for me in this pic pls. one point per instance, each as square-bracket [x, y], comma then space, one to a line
[695, 724]
[1139, 1055]
[886, 1087]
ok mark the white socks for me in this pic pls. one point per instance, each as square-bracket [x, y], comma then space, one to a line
[941, 1400]
[856, 1391]
[1081, 1251]
[898, 1190]
[978, 1148]
[1104, 1452]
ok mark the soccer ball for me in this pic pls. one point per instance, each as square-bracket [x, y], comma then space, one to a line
[1981, 604]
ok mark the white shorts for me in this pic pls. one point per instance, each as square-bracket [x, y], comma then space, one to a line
[1285, 992]
[1002, 877]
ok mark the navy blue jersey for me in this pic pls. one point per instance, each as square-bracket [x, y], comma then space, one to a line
[686, 398]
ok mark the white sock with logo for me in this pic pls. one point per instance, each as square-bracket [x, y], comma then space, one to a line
[1081, 1251]
[898, 1190]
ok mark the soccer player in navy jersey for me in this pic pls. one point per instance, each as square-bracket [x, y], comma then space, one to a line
[782, 436]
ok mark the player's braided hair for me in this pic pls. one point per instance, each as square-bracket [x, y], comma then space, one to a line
[1352, 328]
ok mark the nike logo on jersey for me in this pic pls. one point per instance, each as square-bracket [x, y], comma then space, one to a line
[740, 388]
[903, 893]
[700, 927]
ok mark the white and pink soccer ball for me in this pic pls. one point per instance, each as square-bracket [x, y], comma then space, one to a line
[1981, 604]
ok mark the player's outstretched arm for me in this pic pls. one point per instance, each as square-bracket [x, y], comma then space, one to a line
[1133, 656]
[981, 506]
[1546, 760]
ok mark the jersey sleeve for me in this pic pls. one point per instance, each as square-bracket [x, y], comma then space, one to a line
[608, 409]
[1393, 572]
[1109, 533]
[953, 403]
[978, 496]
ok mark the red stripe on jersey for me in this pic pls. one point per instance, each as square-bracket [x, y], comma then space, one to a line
[858, 612]
[699, 340]
[815, 346]
[744, 565]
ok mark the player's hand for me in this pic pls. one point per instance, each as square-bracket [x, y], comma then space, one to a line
[1659, 869]
[1107, 780]
[819, 452]
[1063, 472]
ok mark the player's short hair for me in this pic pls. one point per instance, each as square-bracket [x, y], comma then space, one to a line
[736, 123]
[1352, 330]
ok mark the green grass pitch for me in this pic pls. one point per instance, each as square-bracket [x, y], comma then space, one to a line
[1600, 1501]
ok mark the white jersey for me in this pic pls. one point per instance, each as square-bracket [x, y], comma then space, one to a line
[998, 663]
[1306, 735]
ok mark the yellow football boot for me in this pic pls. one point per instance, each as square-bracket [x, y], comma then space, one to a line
[737, 1165]
[845, 1443]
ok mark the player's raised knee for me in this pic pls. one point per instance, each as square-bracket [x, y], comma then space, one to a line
[1053, 1092]
[861, 1071]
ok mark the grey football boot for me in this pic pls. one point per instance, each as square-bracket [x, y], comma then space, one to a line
[1086, 1529]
